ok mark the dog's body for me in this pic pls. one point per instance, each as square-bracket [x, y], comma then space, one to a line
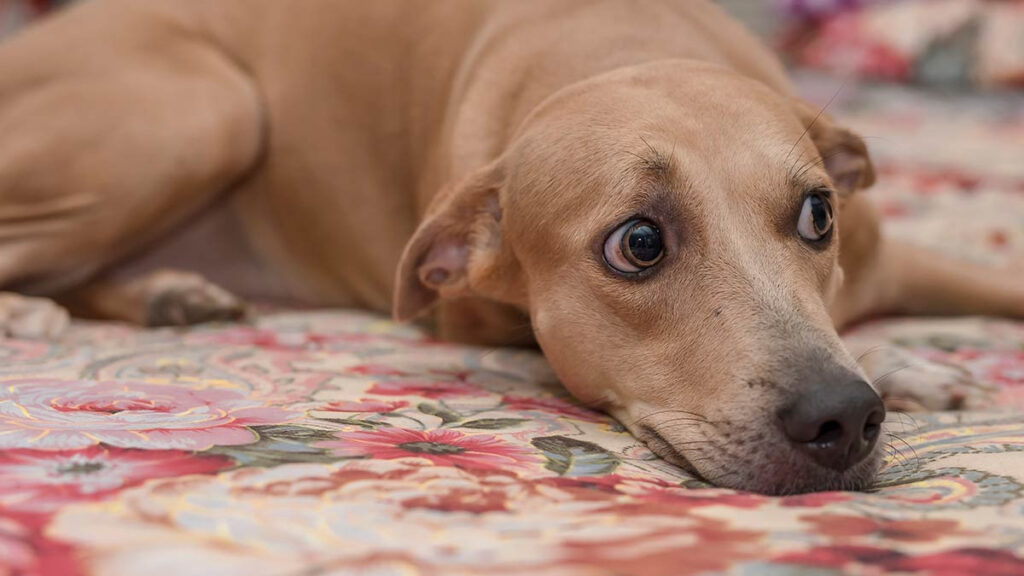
[306, 150]
[340, 120]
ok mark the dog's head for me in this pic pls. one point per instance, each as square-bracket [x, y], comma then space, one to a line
[672, 232]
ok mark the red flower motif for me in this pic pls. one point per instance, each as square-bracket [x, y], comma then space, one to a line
[15, 549]
[841, 526]
[365, 405]
[698, 546]
[1005, 369]
[461, 500]
[281, 341]
[998, 239]
[587, 487]
[441, 447]
[815, 499]
[40, 481]
[552, 405]
[649, 495]
[950, 563]
[265, 339]
[70, 414]
[962, 561]
[433, 390]
[376, 370]
[24, 548]
[839, 556]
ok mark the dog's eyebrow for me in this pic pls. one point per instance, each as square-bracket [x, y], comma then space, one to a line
[652, 161]
[654, 168]
[801, 177]
[653, 180]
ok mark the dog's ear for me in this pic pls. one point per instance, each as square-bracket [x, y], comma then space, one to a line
[456, 248]
[844, 154]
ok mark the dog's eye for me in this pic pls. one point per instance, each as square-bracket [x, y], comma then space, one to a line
[815, 217]
[634, 247]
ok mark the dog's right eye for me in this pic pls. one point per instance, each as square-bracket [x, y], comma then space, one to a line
[816, 218]
[634, 247]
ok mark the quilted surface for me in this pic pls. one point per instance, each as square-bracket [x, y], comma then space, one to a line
[937, 42]
[339, 443]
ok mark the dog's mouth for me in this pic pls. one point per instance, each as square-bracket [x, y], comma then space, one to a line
[758, 465]
[666, 451]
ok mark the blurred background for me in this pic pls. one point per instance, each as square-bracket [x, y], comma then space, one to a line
[943, 43]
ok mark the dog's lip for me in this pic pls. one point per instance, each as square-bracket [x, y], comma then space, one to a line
[665, 450]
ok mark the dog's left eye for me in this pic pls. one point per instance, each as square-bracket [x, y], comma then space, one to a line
[815, 217]
[634, 247]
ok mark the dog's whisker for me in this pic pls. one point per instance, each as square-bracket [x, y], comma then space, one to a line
[813, 163]
[916, 458]
[637, 156]
[682, 425]
[680, 422]
[876, 381]
[654, 151]
[880, 138]
[895, 456]
[902, 416]
[907, 444]
[899, 464]
[667, 411]
[684, 418]
[684, 422]
[916, 424]
[815, 120]
[693, 443]
[872, 350]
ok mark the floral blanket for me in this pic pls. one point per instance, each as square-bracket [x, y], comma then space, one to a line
[334, 443]
[950, 43]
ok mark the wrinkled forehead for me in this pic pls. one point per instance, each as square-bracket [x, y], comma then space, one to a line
[594, 157]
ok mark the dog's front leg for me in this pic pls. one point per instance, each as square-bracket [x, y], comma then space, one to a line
[117, 124]
[159, 298]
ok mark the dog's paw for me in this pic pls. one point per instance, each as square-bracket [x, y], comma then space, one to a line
[31, 318]
[184, 299]
[907, 383]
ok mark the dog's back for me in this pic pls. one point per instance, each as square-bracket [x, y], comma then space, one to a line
[332, 122]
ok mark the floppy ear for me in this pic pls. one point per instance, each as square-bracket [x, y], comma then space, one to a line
[457, 245]
[844, 153]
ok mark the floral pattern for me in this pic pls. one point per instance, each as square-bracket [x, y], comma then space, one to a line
[340, 443]
[40, 480]
[935, 42]
[61, 414]
[439, 447]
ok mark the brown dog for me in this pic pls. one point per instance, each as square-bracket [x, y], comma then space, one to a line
[632, 180]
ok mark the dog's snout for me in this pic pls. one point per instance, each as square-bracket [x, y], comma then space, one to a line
[835, 424]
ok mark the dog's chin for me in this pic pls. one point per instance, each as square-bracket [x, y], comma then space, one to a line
[774, 472]
[790, 477]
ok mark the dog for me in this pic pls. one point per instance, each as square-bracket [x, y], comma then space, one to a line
[631, 185]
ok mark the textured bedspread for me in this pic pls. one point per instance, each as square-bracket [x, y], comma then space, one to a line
[340, 443]
[329, 443]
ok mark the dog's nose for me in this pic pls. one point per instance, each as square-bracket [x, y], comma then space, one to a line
[836, 424]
